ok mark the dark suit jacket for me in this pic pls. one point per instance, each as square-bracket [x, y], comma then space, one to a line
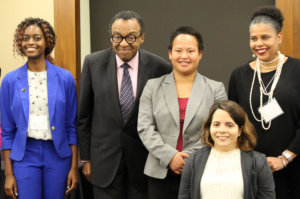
[103, 137]
[257, 175]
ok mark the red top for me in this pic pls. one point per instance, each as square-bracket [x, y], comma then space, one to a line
[182, 106]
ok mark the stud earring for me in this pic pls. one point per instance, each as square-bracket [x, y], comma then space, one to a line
[253, 55]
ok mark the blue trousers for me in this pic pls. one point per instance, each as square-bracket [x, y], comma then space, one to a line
[41, 173]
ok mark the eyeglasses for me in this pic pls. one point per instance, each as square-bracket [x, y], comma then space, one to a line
[117, 38]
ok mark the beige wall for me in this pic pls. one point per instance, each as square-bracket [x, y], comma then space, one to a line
[12, 12]
[85, 29]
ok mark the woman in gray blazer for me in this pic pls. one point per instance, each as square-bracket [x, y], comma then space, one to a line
[172, 109]
[227, 167]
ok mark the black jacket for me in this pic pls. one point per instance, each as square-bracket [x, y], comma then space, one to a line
[257, 176]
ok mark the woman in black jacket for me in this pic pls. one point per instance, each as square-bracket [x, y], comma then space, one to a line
[227, 167]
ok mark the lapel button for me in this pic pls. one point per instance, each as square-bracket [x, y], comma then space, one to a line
[53, 128]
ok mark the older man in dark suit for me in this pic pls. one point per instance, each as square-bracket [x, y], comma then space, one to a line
[111, 84]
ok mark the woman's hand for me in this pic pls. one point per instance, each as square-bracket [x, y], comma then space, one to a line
[73, 173]
[10, 186]
[177, 163]
[275, 163]
[72, 180]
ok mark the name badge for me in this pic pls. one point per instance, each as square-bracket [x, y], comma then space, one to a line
[38, 122]
[270, 110]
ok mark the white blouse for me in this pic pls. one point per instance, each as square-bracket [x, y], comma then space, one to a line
[38, 124]
[222, 177]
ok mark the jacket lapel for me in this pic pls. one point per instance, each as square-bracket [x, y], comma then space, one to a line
[112, 73]
[170, 94]
[195, 99]
[24, 90]
[246, 163]
[143, 75]
[199, 169]
[52, 83]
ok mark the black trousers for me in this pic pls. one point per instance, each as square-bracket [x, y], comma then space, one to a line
[287, 181]
[122, 186]
[167, 188]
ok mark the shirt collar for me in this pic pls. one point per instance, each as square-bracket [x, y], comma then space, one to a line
[133, 63]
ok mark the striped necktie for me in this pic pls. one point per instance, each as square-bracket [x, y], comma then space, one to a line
[126, 94]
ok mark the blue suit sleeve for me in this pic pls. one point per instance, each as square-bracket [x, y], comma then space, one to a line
[7, 122]
[71, 111]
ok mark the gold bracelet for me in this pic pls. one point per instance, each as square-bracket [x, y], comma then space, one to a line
[283, 162]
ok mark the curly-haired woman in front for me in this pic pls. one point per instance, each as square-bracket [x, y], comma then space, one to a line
[227, 167]
[38, 113]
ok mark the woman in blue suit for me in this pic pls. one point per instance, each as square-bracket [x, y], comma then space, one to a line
[38, 114]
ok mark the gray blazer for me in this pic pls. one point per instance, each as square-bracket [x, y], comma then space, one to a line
[257, 175]
[159, 122]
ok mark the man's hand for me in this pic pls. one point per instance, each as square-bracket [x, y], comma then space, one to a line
[86, 170]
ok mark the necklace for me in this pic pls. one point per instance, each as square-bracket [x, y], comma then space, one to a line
[269, 62]
[266, 67]
[263, 89]
[266, 87]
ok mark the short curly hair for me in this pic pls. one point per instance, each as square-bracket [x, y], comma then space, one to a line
[247, 139]
[46, 28]
[268, 15]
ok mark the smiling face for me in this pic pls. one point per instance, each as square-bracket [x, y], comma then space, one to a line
[33, 43]
[264, 41]
[224, 131]
[184, 55]
[125, 27]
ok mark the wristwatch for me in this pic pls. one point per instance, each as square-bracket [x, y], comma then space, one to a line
[287, 155]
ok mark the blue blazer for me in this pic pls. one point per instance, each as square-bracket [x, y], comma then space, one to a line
[62, 104]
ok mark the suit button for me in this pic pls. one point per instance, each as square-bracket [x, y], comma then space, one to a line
[53, 128]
